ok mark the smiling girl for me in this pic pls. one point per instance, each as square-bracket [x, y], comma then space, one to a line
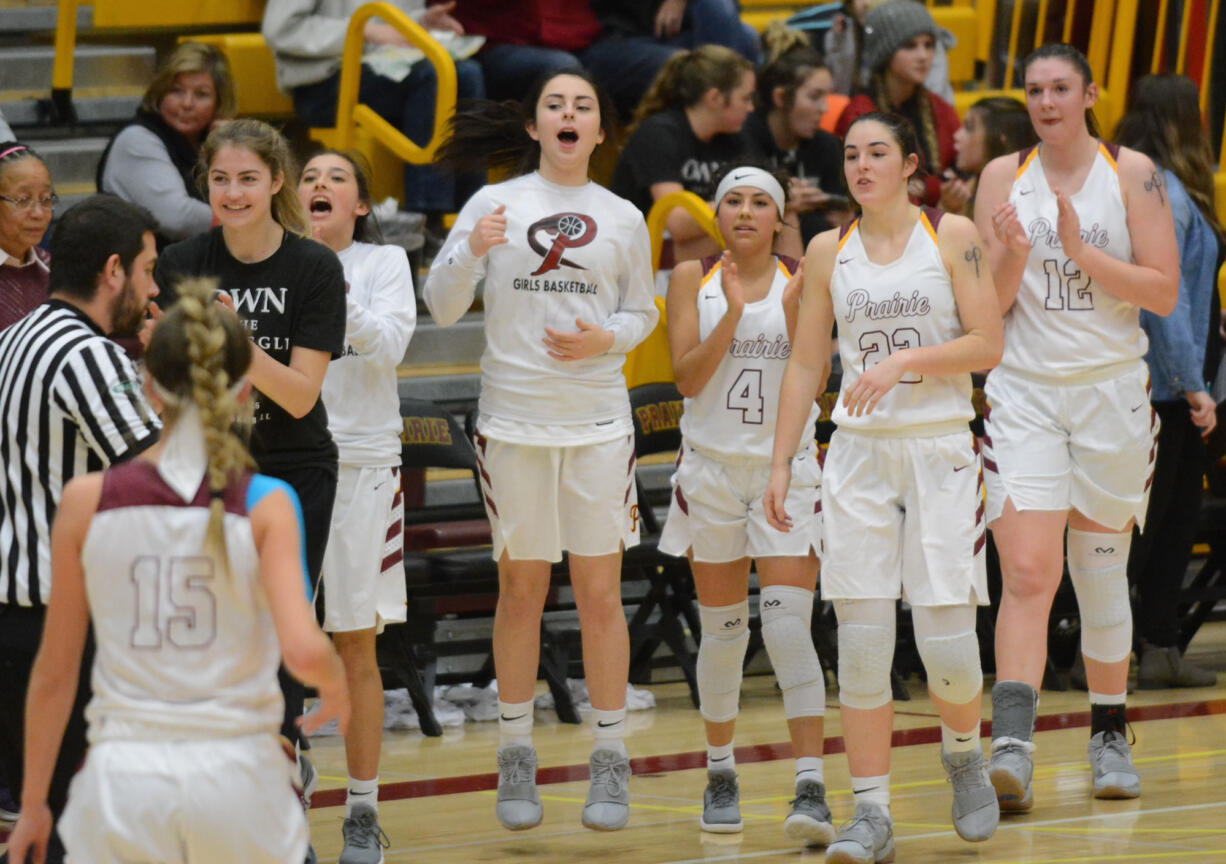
[289, 291]
[716, 308]
[901, 487]
[567, 276]
[363, 573]
[1080, 239]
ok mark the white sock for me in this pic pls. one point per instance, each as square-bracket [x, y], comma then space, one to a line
[1108, 698]
[362, 792]
[721, 758]
[514, 724]
[809, 768]
[871, 790]
[953, 741]
[609, 730]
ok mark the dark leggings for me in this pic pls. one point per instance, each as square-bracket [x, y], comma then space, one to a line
[316, 488]
[1159, 558]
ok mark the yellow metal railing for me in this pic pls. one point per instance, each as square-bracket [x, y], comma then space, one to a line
[351, 115]
[666, 204]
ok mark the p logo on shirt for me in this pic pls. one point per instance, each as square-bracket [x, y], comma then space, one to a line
[568, 231]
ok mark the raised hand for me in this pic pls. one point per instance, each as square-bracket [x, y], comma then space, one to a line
[1068, 225]
[734, 292]
[490, 231]
[1009, 230]
[588, 341]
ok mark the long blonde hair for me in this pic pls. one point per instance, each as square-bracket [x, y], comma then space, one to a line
[198, 350]
[271, 148]
[688, 75]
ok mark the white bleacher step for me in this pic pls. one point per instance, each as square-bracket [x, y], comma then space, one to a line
[73, 162]
[28, 67]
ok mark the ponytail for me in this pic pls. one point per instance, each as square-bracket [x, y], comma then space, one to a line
[688, 75]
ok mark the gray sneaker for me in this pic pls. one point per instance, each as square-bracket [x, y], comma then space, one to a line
[1111, 761]
[608, 798]
[519, 804]
[809, 821]
[721, 804]
[865, 838]
[975, 812]
[1011, 771]
[364, 839]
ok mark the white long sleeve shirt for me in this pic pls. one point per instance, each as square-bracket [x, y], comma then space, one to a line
[573, 252]
[359, 389]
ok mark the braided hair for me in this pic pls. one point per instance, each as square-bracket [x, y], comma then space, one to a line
[198, 350]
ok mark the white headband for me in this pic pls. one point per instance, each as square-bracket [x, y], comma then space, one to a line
[755, 177]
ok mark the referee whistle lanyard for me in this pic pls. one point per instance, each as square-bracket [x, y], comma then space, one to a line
[184, 460]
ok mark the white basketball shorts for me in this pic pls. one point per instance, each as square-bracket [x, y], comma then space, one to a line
[1089, 446]
[542, 501]
[716, 509]
[363, 569]
[185, 802]
[904, 517]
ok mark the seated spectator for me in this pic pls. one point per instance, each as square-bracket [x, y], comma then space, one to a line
[152, 160]
[900, 37]
[638, 37]
[687, 126]
[844, 51]
[792, 89]
[308, 37]
[992, 127]
[26, 202]
[1164, 123]
[527, 39]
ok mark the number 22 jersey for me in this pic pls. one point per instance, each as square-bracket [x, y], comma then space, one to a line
[1062, 325]
[883, 308]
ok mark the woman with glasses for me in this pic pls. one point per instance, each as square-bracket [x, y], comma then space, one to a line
[26, 202]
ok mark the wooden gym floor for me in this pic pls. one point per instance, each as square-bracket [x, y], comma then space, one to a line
[437, 799]
[438, 804]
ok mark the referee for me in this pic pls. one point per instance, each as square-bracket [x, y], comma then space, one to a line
[70, 402]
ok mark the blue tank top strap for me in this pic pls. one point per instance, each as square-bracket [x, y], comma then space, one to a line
[260, 487]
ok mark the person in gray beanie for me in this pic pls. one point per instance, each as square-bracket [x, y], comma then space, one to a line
[900, 39]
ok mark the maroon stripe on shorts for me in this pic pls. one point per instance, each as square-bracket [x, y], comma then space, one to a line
[489, 502]
[392, 560]
[626, 500]
[979, 513]
[681, 502]
[990, 465]
[480, 439]
[980, 541]
[392, 530]
[817, 507]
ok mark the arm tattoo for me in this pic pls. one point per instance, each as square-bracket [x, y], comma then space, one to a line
[1154, 184]
[973, 256]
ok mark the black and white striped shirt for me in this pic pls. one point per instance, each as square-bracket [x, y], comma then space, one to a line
[70, 402]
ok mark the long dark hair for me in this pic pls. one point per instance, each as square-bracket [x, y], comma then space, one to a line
[1072, 56]
[494, 135]
[1163, 122]
[902, 132]
[1006, 126]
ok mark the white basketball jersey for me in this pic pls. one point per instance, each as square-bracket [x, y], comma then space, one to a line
[183, 649]
[1062, 324]
[735, 413]
[882, 308]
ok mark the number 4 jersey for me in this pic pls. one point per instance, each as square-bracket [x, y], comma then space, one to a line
[734, 414]
[1062, 325]
[185, 649]
[883, 308]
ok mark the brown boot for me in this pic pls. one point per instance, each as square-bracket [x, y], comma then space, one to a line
[1165, 667]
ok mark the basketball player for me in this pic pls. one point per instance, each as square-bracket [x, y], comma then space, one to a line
[192, 613]
[730, 324]
[567, 276]
[1080, 238]
[902, 502]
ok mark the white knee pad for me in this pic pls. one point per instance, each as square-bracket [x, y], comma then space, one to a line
[952, 664]
[1098, 566]
[866, 652]
[721, 654]
[786, 613]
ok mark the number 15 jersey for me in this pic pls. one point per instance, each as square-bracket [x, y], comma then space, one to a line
[734, 414]
[1063, 326]
[883, 308]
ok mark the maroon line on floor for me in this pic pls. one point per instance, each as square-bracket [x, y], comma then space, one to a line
[647, 765]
